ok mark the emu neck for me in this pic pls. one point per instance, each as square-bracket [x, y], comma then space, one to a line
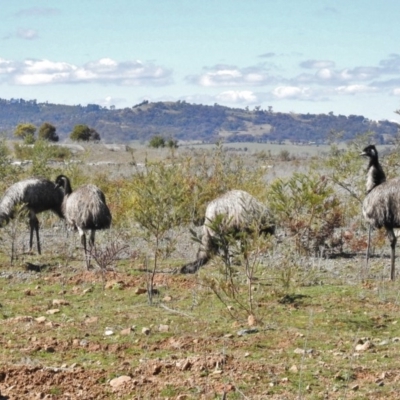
[67, 187]
[375, 175]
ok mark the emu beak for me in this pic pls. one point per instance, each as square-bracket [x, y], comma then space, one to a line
[363, 154]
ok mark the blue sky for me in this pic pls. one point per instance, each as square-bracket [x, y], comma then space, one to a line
[301, 56]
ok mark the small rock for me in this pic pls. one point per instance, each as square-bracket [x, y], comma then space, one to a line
[146, 331]
[163, 328]
[53, 311]
[251, 320]
[156, 369]
[91, 320]
[60, 302]
[40, 320]
[121, 380]
[126, 331]
[247, 331]
[365, 346]
[294, 369]
[299, 351]
[140, 291]
[396, 339]
[167, 299]
[88, 290]
[108, 332]
[355, 387]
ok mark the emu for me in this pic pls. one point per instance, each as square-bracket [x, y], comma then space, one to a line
[35, 195]
[241, 212]
[381, 206]
[84, 209]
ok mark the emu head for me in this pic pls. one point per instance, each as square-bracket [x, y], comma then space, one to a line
[63, 182]
[370, 151]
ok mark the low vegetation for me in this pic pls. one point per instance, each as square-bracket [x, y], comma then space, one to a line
[291, 316]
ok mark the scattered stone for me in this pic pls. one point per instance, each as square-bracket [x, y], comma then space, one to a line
[228, 336]
[251, 320]
[121, 380]
[53, 311]
[247, 331]
[364, 346]
[140, 291]
[294, 369]
[156, 369]
[146, 331]
[40, 320]
[163, 328]
[108, 332]
[396, 339]
[91, 320]
[355, 387]
[299, 351]
[184, 365]
[126, 331]
[167, 299]
[60, 302]
[88, 290]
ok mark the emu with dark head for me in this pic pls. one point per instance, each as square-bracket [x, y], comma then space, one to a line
[35, 195]
[85, 209]
[381, 206]
[241, 212]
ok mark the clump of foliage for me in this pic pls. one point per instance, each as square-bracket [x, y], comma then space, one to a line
[308, 208]
[84, 133]
[162, 203]
[159, 141]
[47, 132]
[26, 132]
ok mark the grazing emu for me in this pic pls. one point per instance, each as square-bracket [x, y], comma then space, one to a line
[381, 206]
[84, 209]
[35, 195]
[241, 211]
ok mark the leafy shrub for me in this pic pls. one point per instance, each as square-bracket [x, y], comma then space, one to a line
[307, 207]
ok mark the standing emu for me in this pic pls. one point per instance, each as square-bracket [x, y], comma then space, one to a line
[85, 209]
[35, 195]
[381, 206]
[241, 212]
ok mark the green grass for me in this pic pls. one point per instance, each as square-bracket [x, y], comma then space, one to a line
[304, 346]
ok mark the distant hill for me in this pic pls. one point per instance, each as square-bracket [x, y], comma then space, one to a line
[189, 122]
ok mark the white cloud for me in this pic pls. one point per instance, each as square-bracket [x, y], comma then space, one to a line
[236, 96]
[354, 89]
[291, 92]
[317, 64]
[224, 75]
[27, 34]
[102, 71]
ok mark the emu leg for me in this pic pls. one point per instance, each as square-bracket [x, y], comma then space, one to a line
[34, 224]
[91, 243]
[83, 242]
[393, 241]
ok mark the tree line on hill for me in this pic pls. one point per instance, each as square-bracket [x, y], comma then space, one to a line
[188, 122]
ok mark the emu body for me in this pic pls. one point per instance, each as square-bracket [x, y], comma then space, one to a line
[35, 195]
[241, 212]
[381, 206]
[84, 209]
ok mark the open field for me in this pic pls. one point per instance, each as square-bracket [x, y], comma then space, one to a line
[303, 327]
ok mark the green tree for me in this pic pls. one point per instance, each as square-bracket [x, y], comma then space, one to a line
[84, 133]
[157, 141]
[25, 132]
[47, 132]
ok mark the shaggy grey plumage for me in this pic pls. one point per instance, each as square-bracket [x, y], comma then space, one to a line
[36, 195]
[381, 206]
[241, 212]
[85, 209]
